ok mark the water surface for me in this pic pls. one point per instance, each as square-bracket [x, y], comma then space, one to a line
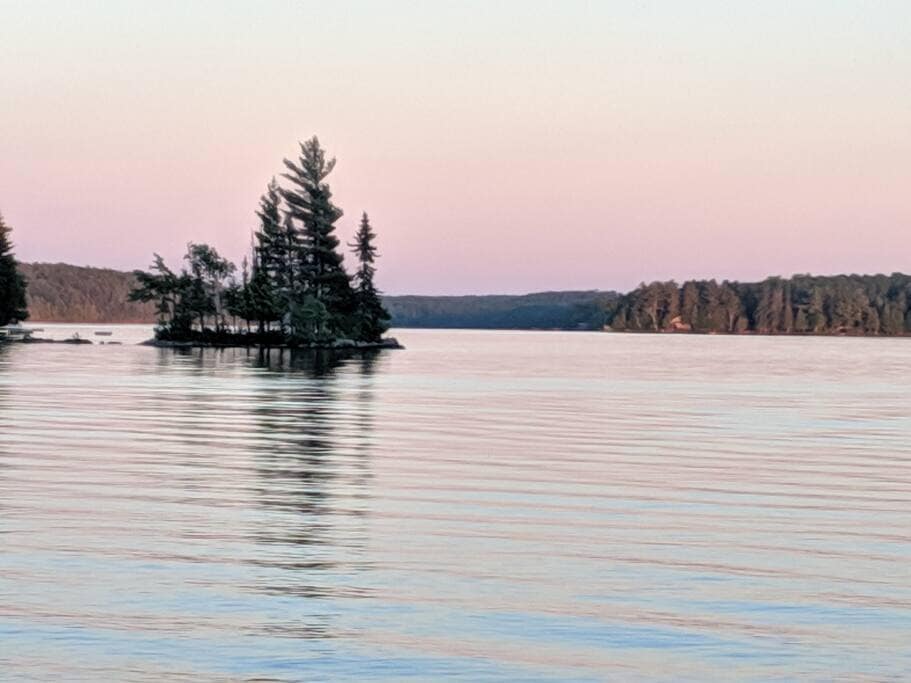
[484, 505]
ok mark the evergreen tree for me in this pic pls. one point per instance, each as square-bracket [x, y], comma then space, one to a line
[669, 304]
[170, 291]
[372, 317]
[209, 271]
[732, 316]
[273, 272]
[268, 291]
[296, 269]
[643, 315]
[787, 312]
[321, 274]
[770, 306]
[235, 300]
[12, 284]
[689, 303]
[708, 311]
[153, 286]
[616, 318]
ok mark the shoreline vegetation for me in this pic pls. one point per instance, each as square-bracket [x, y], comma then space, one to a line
[63, 293]
[13, 307]
[840, 305]
[293, 290]
[803, 305]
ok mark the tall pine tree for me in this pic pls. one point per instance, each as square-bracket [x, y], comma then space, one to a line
[321, 275]
[12, 284]
[269, 289]
[372, 318]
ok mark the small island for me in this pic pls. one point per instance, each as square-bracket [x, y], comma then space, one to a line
[293, 290]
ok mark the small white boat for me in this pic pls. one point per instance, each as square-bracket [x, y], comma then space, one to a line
[14, 333]
[103, 333]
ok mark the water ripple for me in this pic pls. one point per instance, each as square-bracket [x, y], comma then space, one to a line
[512, 506]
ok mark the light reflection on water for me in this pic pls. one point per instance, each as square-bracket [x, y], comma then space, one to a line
[483, 505]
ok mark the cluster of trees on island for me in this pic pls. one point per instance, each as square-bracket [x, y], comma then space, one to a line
[293, 289]
[803, 304]
[12, 284]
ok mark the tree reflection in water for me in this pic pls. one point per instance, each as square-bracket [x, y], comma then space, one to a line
[313, 418]
[5, 355]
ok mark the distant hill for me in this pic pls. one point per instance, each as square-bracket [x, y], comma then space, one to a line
[58, 292]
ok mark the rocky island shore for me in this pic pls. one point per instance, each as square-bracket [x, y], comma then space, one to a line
[27, 337]
[335, 345]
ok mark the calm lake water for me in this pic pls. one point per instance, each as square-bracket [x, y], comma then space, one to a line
[483, 505]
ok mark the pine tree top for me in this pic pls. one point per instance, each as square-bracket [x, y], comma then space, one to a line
[363, 246]
[6, 244]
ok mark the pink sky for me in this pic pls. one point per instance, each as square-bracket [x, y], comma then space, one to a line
[512, 147]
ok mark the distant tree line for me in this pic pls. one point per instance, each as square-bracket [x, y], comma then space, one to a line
[582, 310]
[59, 292]
[803, 304]
[12, 283]
[293, 288]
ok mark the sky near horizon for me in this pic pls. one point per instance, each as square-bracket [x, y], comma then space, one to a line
[507, 146]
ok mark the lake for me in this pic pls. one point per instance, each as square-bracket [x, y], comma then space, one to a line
[482, 505]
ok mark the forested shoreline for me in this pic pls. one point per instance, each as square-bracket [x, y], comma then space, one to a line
[570, 310]
[869, 305]
[844, 304]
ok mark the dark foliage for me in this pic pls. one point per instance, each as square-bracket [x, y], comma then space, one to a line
[544, 311]
[12, 283]
[322, 302]
[803, 304]
[294, 288]
[372, 318]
